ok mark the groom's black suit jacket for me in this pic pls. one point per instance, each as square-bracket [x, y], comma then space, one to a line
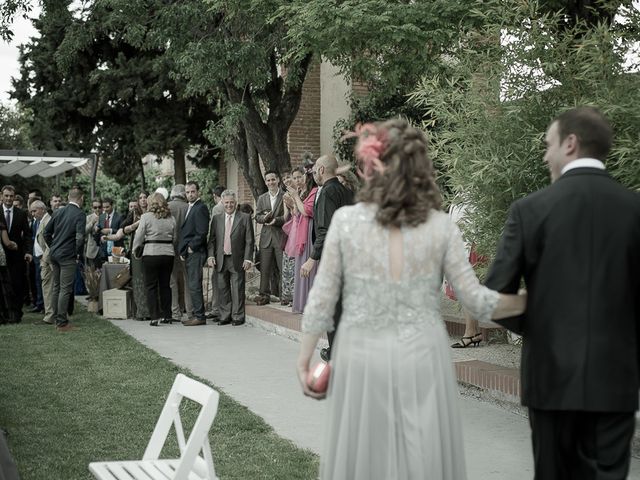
[576, 243]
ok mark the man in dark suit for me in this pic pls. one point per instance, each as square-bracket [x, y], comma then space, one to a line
[270, 213]
[193, 249]
[180, 298]
[19, 232]
[231, 246]
[330, 197]
[109, 222]
[64, 234]
[576, 243]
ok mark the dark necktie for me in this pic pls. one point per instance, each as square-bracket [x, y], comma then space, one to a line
[7, 216]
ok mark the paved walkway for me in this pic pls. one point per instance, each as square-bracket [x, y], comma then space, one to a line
[257, 369]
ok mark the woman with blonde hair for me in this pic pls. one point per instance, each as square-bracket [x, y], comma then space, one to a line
[392, 397]
[154, 242]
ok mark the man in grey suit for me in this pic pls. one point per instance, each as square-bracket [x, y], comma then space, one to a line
[41, 257]
[230, 251]
[193, 248]
[64, 235]
[179, 295]
[218, 209]
[270, 213]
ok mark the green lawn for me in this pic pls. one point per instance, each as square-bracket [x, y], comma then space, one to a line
[95, 394]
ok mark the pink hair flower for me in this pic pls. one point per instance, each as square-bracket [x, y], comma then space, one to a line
[369, 148]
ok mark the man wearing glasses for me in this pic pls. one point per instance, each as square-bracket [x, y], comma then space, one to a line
[91, 248]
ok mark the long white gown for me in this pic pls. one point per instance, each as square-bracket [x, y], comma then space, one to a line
[393, 398]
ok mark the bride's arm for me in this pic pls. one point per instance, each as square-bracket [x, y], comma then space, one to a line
[307, 347]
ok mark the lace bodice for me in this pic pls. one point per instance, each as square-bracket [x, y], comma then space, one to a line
[355, 264]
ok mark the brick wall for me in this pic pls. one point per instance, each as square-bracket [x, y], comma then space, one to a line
[359, 89]
[304, 134]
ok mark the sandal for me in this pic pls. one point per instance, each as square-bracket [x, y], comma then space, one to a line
[473, 340]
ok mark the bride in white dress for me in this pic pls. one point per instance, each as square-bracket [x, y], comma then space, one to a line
[393, 398]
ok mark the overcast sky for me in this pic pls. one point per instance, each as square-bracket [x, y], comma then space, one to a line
[9, 66]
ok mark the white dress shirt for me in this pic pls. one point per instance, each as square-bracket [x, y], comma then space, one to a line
[582, 163]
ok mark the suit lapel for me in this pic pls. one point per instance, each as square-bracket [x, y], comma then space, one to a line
[236, 221]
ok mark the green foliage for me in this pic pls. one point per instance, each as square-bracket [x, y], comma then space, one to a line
[489, 111]
[387, 44]
[106, 186]
[207, 180]
[9, 10]
[14, 128]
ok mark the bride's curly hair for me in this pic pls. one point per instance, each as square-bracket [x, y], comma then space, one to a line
[399, 174]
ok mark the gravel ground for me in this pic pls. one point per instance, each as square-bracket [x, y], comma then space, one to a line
[503, 354]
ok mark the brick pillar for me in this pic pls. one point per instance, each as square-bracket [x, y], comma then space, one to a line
[304, 134]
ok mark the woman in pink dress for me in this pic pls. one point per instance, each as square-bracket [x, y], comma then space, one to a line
[304, 198]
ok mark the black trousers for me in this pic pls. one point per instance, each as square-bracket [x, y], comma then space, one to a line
[16, 265]
[157, 283]
[580, 445]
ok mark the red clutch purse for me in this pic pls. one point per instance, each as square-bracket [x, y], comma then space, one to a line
[318, 378]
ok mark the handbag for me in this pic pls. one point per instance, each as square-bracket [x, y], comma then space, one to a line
[318, 377]
[123, 277]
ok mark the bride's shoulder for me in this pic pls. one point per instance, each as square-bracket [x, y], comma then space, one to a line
[358, 212]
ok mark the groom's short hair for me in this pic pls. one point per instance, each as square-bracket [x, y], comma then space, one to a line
[592, 129]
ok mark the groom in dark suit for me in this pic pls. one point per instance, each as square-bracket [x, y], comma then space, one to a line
[193, 249]
[576, 243]
[230, 252]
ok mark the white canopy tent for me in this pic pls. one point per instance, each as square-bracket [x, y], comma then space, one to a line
[46, 164]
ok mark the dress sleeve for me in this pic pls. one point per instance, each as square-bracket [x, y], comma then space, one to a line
[479, 300]
[327, 286]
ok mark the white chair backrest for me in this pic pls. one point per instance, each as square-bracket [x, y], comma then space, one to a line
[198, 441]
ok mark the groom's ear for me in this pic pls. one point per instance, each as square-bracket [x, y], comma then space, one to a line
[571, 145]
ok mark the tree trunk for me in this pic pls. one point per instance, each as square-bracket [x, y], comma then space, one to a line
[179, 167]
[248, 162]
[94, 174]
[143, 181]
[267, 141]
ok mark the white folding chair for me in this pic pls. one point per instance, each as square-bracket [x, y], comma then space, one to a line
[191, 465]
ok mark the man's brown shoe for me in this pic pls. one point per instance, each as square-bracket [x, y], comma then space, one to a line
[194, 322]
[67, 327]
[48, 322]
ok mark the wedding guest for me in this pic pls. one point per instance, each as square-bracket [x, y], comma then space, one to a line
[19, 232]
[180, 298]
[193, 248]
[392, 400]
[270, 214]
[231, 244]
[38, 211]
[128, 228]
[331, 196]
[304, 195]
[7, 314]
[55, 202]
[41, 249]
[154, 241]
[288, 261]
[64, 234]
[109, 222]
[347, 178]
[576, 244]
[92, 249]
[218, 209]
